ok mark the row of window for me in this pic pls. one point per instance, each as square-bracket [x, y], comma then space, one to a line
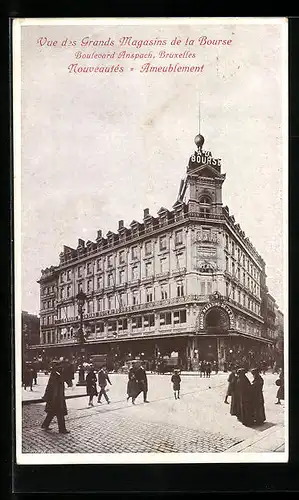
[48, 289]
[248, 327]
[270, 333]
[48, 320]
[244, 261]
[242, 298]
[121, 277]
[123, 300]
[241, 275]
[112, 260]
[48, 337]
[48, 304]
[116, 326]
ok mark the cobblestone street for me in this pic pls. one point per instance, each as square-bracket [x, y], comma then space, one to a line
[197, 423]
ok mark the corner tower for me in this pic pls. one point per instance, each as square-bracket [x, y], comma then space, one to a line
[201, 190]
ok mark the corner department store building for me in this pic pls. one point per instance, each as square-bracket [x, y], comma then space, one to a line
[187, 281]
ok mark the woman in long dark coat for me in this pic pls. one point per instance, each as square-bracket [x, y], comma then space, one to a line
[232, 379]
[259, 415]
[241, 405]
[132, 386]
[280, 392]
[91, 386]
[28, 377]
[235, 397]
[55, 399]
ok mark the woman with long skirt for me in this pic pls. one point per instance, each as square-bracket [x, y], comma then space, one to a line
[91, 385]
[241, 405]
[132, 387]
[280, 392]
[232, 378]
[259, 415]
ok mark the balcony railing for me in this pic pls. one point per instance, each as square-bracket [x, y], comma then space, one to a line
[179, 272]
[138, 307]
[162, 276]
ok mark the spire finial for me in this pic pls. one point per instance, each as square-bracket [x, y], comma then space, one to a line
[199, 139]
[198, 113]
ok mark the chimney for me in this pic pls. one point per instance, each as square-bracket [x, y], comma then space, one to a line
[81, 243]
[99, 234]
[120, 224]
[145, 212]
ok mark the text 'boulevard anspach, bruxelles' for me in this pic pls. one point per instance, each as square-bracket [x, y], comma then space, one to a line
[145, 68]
[124, 54]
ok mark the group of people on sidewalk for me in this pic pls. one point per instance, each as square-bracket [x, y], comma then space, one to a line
[29, 376]
[137, 383]
[91, 385]
[205, 368]
[247, 399]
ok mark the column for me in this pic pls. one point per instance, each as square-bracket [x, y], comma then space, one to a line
[189, 353]
[157, 322]
[221, 353]
[129, 325]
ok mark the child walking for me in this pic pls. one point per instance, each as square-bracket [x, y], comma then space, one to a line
[176, 381]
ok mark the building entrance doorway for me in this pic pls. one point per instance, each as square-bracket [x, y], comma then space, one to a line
[216, 320]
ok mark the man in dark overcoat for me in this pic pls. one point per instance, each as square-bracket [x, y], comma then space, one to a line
[55, 399]
[103, 378]
[28, 377]
[141, 379]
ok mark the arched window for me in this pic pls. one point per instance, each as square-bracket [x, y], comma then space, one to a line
[205, 204]
[205, 200]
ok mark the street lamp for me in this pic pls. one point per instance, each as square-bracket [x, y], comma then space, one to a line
[81, 298]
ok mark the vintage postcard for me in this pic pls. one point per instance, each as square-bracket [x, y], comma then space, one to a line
[150, 202]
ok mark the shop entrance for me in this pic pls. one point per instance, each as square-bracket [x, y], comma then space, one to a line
[216, 320]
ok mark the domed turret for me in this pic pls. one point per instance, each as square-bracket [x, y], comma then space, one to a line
[199, 141]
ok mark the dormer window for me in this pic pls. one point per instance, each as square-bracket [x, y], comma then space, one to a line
[178, 214]
[162, 220]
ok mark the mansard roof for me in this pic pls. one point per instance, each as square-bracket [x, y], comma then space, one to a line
[162, 210]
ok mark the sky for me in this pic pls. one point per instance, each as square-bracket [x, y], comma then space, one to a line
[100, 147]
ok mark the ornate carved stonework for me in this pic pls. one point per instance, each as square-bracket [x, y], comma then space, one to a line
[219, 304]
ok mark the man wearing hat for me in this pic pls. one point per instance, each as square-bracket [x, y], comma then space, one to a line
[176, 382]
[141, 379]
[55, 398]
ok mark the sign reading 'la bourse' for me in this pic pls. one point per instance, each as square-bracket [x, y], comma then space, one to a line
[200, 158]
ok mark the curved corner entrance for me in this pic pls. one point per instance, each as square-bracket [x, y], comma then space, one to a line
[216, 315]
[216, 320]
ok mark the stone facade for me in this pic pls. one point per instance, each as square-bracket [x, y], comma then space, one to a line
[186, 281]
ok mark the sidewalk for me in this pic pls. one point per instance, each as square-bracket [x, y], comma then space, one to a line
[199, 422]
[35, 396]
[271, 440]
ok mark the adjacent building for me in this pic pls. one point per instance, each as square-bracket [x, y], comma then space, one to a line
[186, 282]
[30, 332]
